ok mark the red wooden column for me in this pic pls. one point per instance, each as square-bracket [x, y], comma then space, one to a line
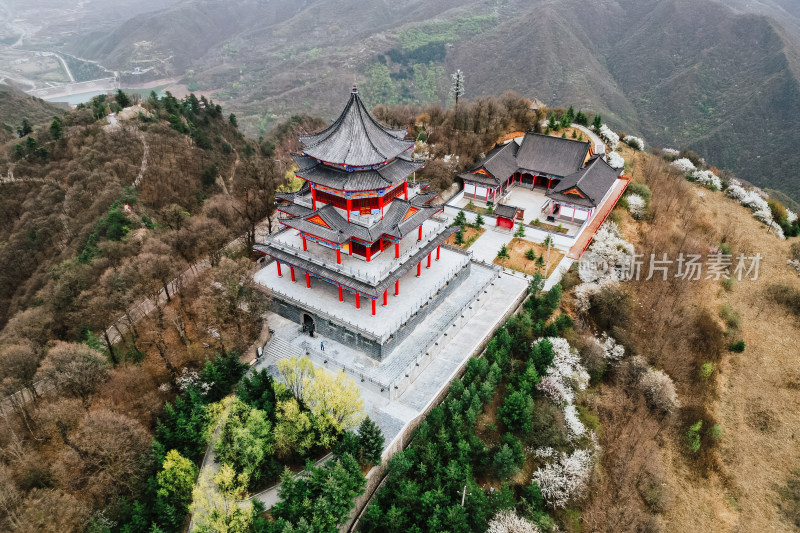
[369, 253]
[405, 190]
[380, 205]
[291, 269]
[341, 299]
[397, 250]
[339, 256]
[397, 287]
[350, 247]
[349, 208]
[419, 269]
[381, 241]
[305, 244]
[373, 307]
[358, 301]
[386, 297]
[420, 232]
[429, 259]
[548, 182]
[308, 280]
[438, 249]
[278, 264]
[314, 199]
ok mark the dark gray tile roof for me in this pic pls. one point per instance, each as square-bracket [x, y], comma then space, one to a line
[367, 289]
[423, 199]
[482, 179]
[506, 211]
[501, 162]
[545, 154]
[394, 223]
[360, 180]
[593, 181]
[295, 210]
[355, 138]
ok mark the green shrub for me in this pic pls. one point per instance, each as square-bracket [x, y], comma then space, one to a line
[706, 369]
[641, 189]
[693, 436]
[503, 252]
[730, 316]
[737, 346]
[530, 254]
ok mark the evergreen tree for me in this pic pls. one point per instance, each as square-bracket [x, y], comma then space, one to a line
[503, 252]
[233, 121]
[530, 255]
[570, 115]
[520, 230]
[504, 463]
[370, 439]
[459, 239]
[56, 128]
[460, 220]
[122, 99]
[479, 222]
[598, 122]
[25, 129]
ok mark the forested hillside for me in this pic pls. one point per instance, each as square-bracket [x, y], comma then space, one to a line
[721, 80]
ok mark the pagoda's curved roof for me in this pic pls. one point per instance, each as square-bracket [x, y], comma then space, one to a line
[313, 171]
[355, 139]
[400, 219]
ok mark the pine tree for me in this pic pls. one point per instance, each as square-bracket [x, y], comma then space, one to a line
[503, 253]
[479, 222]
[598, 122]
[530, 255]
[459, 239]
[520, 230]
[25, 129]
[233, 121]
[371, 440]
[56, 128]
[122, 99]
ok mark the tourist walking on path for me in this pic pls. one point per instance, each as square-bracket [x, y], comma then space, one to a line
[322, 346]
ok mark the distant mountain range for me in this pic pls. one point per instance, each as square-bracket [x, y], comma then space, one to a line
[721, 79]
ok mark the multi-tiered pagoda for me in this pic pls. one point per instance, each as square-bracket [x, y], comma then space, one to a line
[356, 223]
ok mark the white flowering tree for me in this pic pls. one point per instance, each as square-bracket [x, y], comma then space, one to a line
[637, 143]
[616, 160]
[754, 199]
[565, 376]
[508, 521]
[684, 165]
[637, 206]
[566, 478]
[708, 178]
[609, 137]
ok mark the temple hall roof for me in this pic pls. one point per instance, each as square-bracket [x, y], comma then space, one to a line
[545, 154]
[356, 139]
[360, 180]
[588, 186]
